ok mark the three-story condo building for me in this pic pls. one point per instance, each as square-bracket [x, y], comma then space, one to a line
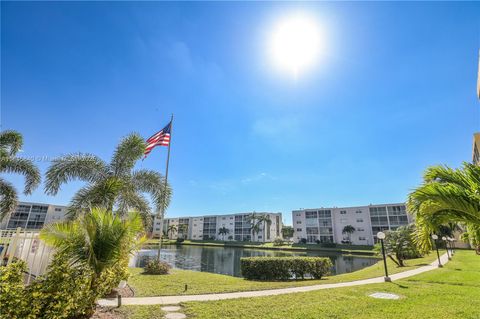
[231, 227]
[327, 225]
[33, 216]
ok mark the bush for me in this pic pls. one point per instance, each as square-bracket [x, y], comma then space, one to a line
[156, 267]
[303, 241]
[14, 303]
[278, 242]
[180, 240]
[284, 268]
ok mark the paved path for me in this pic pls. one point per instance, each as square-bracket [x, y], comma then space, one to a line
[168, 300]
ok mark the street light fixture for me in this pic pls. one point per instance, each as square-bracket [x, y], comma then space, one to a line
[381, 237]
[435, 238]
[452, 245]
[446, 247]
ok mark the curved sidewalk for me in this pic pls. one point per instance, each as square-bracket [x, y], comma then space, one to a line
[169, 300]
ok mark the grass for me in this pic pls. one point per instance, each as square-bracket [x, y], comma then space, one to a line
[349, 249]
[450, 292]
[445, 293]
[206, 283]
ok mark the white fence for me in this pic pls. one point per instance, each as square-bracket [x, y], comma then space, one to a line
[25, 245]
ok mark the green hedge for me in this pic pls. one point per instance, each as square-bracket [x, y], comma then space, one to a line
[284, 268]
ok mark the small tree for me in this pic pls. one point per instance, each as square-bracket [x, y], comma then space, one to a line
[171, 230]
[183, 229]
[399, 245]
[223, 231]
[349, 230]
[287, 231]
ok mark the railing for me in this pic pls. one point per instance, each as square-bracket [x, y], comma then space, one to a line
[25, 245]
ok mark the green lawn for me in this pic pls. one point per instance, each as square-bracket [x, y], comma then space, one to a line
[450, 292]
[446, 293]
[204, 283]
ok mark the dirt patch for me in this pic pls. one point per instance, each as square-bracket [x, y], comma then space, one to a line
[107, 313]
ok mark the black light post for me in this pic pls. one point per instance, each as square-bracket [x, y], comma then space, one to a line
[446, 247]
[435, 238]
[452, 245]
[381, 237]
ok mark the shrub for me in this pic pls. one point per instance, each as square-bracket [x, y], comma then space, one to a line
[278, 242]
[303, 241]
[180, 240]
[156, 267]
[14, 303]
[284, 268]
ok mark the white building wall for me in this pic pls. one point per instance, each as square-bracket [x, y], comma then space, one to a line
[367, 221]
[197, 231]
[33, 216]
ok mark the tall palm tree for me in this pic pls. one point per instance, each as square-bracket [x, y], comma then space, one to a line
[100, 240]
[253, 219]
[223, 231]
[171, 230]
[447, 195]
[349, 229]
[113, 186]
[265, 221]
[10, 143]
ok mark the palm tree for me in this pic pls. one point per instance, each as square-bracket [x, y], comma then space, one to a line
[183, 229]
[253, 218]
[10, 143]
[349, 229]
[265, 220]
[171, 230]
[99, 240]
[112, 186]
[447, 195]
[223, 231]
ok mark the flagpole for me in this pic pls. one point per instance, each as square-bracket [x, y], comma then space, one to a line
[162, 215]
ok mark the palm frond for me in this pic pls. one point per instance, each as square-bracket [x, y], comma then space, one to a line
[24, 167]
[127, 153]
[11, 142]
[8, 199]
[153, 183]
[84, 167]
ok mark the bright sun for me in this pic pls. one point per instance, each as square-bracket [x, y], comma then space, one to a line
[296, 43]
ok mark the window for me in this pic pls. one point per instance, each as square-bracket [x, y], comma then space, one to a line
[358, 212]
[343, 212]
[299, 229]
[359, 220]
[362, 238]
[299, 221]
[194, 225]
[157, 229]
[223, 218]
[312, 214]
[360, 229]
[58, 209]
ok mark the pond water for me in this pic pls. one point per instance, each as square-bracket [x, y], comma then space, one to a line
[226, 260]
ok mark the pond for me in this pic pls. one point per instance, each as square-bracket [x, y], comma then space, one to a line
[226, 260]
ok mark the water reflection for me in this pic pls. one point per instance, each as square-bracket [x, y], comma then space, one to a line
[227, 260]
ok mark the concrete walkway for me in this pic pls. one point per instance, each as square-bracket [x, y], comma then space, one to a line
[169, 300]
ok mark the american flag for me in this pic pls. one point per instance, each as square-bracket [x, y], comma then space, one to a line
[161, 138]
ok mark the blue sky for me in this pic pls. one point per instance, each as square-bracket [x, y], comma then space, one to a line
[393, 93]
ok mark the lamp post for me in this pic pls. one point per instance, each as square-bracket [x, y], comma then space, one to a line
[446, 247]
[435, 238]
[452, 245]
[381, 237]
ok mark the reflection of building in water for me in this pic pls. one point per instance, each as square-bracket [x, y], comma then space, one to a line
[346, 264]
[237, 227]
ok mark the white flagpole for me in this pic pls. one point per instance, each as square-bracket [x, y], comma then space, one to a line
[162, 214]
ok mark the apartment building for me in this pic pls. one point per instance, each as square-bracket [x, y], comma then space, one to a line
[326, 225]
[33, 216]
[239, 227]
